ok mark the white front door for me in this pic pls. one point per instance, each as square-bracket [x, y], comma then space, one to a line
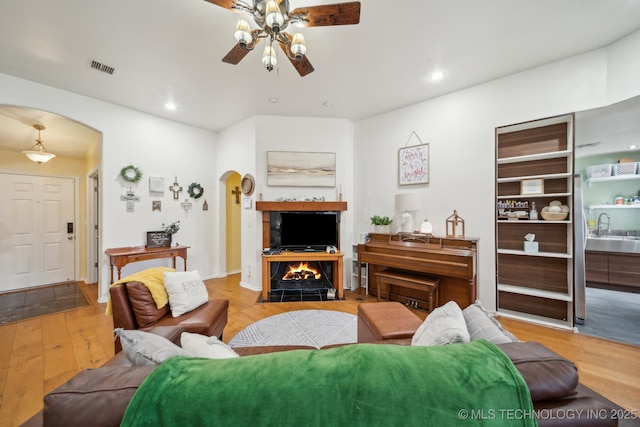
[37, 230]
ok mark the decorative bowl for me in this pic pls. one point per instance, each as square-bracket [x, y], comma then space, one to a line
[554, 216]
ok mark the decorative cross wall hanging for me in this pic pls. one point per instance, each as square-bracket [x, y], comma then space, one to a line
[237, 193]
[130, 198]
[176, 189]
[186, 205]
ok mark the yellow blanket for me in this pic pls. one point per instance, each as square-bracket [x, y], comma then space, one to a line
[152, 278]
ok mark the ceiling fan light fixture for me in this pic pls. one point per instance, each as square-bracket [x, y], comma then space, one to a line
[243, 33]
[298, 47]
[269, 58]
[37, 153]
[273, 16]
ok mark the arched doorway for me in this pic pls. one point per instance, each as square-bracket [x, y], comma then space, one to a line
[78, 155]
[233, 214]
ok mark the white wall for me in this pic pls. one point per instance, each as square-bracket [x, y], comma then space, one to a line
[236, 152]
[159, 148]
[243, 147]
[460, 129]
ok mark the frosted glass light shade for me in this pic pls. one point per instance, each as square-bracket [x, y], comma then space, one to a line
[243, 33]
[269, 58]
[298, 47]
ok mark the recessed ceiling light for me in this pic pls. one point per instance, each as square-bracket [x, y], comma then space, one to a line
[170, 106]
[633, 147]
[326, 104]
[437, 75]
[273, 100]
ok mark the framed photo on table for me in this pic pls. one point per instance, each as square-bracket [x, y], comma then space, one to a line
[413, 165]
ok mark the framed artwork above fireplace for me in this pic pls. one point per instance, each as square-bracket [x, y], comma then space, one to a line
[301, 169]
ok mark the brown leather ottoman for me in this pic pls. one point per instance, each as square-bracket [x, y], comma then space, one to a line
[379, 321]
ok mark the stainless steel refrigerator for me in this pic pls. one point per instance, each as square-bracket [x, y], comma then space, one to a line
[579, 240]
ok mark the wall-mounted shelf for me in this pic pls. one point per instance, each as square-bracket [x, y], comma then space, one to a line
[543, 176]
[533, 196]
[541, 254]
[532, 157]
[613, 178]
[614, 206]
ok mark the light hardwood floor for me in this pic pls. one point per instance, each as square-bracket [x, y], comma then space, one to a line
[39, 354]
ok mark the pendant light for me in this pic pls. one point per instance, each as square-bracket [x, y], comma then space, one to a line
[38, 153]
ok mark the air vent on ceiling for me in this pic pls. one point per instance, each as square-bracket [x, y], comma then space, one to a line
[588, 144]
[101, 67]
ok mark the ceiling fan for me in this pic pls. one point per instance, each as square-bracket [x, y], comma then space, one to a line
[273, 17]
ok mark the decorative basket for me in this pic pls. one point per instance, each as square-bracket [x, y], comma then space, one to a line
[554, 216]
[599, 171]
[625, 168]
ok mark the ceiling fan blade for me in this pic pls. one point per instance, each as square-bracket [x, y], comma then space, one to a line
[302, 65]
[235, 55]
[324, 15]
[222, 3]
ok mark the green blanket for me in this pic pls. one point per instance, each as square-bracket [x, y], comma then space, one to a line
[357, 385]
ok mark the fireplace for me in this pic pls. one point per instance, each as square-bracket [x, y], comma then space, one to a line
[302, 280]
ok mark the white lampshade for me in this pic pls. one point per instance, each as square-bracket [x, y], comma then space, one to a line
[407, 203]
[298, 48]
[243, 33]
[269, 58]
[273, 16]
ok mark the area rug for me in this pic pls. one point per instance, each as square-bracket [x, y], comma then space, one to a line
[315, 328]
[21, 305]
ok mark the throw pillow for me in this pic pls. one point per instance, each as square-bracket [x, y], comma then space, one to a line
[186, 291]
[482, 325]
[144, 348]
[204, 346]
[143, 305]
[444, 325]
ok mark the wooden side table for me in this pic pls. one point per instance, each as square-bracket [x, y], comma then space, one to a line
[119, 257]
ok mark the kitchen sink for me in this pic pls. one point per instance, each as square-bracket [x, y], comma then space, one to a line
[628, 244]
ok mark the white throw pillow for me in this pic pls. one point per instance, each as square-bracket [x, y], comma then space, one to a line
[204, 346]
[186, 291]
[482, 325]
[444, 325]
[144, 348]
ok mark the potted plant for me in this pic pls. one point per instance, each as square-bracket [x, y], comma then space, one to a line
[171, 229]
[381, 224]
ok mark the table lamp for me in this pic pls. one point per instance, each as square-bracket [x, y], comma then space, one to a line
[407, 203]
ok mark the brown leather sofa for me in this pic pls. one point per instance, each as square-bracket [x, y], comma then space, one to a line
[99, 397]
[133, 307]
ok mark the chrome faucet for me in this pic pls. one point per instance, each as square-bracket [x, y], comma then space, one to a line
[600, 222]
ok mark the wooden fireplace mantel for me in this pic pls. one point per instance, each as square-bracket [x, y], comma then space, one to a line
[301, 206]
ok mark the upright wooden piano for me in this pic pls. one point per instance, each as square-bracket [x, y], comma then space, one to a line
[452, 260]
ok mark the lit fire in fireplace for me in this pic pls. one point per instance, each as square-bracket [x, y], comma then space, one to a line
[302, 271]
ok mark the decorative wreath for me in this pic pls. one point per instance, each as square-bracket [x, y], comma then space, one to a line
[131, 173]
[195, 190]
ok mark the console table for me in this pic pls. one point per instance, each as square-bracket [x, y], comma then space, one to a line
[301, 256]
[119, 257]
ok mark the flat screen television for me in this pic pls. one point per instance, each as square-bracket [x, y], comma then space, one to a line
[304, 231]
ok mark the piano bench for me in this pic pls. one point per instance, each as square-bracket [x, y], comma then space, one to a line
[403, 279]
[380, 321]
